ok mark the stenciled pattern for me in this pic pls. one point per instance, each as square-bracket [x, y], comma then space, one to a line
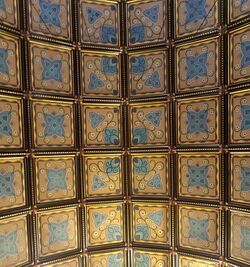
[58, 231]
[238, 9]
[105, 224]
[103, 176]
[10, 123]
[240, 117]
[50, 17]
[53, 124]
[240, 177]
[150, 175]
[111, 259]
[195, 16]
[239, 55]
[149, 124]
[12, 181]
[198, 176]
[148, 258]
[240, 236]
[9, 62]
[13, 241]
[199, 228]
[51, 69]
[151, 223]
[147, 73]
[102, 126]
[198, 121]
[55, 179]
[9, 12]
[99, 23]
[197, 66]
[100, 75]
[146, 22]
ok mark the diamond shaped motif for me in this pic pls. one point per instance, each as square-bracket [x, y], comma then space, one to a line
[51, 69]
[154, 117]
[56, 179]
[58, 232]
[54, 125]
[198, 228]
[197, 66]
[197, 121]
[198, 176]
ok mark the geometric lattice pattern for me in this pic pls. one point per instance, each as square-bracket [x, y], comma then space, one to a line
[125, 133]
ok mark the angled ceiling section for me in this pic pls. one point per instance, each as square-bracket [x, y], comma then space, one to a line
[124, 133]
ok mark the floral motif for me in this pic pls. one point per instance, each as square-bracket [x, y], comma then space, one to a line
[145, 22]
[8, 244]
[240, 55]
[149, 175]
[102, 126]
[56, 179]
[50, 17]
[14, 247]
[9, 61]
[147, 72]
[3, 61]
[198, 228]
[197, 66]
[106, 225]
[149, 258]
[104, 176]
[199, 176]
[58, 232]
[54, 125]
[195, 16]
[7, 184]
[100, 74]
[5, 123]
[150, 224]
[12, 186]
[148, 125]
[99, 23]
[10, 123]
[198, 121]
[51, 69]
